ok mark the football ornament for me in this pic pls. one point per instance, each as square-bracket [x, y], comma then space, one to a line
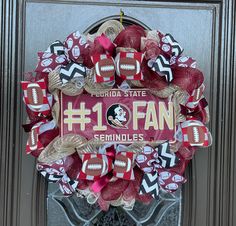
[123, 165]
[128, 65]
[94, 166]
[35, 96]
[104, 68]
[195, 133]
[32, 141]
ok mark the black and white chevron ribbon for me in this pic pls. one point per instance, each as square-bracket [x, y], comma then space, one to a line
[166, 157]
[162, 66]
[176, 48]
[66, 185]
[57, 48]
[50, 177]
[150, 185]
[72, 71]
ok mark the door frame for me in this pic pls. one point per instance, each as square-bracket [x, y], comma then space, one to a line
[222, 179]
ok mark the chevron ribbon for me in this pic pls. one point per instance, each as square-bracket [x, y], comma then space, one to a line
[150, 185]
[169, 45]
[160, 157]
[157, 166]
[171, 55]
[55, 173]
[167, 180]
[166, 158]
[162, 66]
[176, 49]
[57, 48]
[73, 72]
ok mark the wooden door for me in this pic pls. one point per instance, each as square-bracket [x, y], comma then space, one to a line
[207, 31]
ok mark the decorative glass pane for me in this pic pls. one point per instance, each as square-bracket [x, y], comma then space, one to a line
[62, 211]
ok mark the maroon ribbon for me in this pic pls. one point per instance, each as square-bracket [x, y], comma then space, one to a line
[106, 43]
[27, 127]
[198, 112]
[98, 185]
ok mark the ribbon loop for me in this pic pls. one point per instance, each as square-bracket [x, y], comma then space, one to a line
[33, 142]
[169, 57]
[162, 66]
[101, 168]
[160, 157]
[73, 72]
[55, 173]
[156, 164]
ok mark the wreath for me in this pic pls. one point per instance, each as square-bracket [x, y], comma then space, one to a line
[129, 61]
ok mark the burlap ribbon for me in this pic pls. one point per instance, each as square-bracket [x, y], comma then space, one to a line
[55, 84]
[61, 147]
[111, 29]
[96, 88]
[92, 198]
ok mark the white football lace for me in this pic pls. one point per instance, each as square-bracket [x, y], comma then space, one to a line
[195, 134]
[127, 67]
[198, 94]
[120, 163]
[107, 68]
[94, 166]
[32, 138]
[34, 95]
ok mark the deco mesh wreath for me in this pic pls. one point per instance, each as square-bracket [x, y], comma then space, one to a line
[115, 116]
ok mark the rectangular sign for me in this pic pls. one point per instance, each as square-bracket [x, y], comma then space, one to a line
[118, 116]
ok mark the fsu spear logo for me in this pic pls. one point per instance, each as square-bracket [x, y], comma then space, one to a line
[118, 116]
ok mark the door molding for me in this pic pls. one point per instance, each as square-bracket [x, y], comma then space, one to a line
[21, 206]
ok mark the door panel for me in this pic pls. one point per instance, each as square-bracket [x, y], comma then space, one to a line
[191, 25]
[205, 30]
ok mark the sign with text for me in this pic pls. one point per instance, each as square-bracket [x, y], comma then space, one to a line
[118, 116]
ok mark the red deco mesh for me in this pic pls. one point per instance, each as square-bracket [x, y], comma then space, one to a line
[86, 56]
[114, 189]
[130, 37]
[74, 165]
[46, 137]
[129, 190]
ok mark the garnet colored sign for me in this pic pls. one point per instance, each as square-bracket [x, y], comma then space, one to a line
[118, 116]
